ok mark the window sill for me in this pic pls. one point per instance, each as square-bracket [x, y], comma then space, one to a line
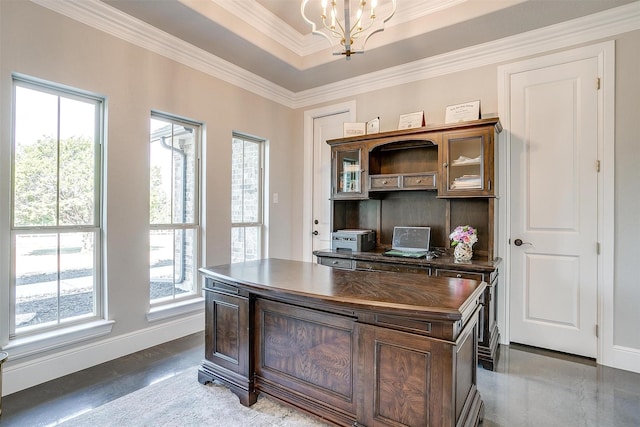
[166, 311]
[51, 340]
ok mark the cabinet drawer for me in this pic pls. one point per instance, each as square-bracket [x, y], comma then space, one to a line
[460, 274]
[394, 268]
[336, 262]
[221, 287]
[384, 182]
[420, 181]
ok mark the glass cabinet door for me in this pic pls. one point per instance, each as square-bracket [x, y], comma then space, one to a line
[466, 168]
[348, 173]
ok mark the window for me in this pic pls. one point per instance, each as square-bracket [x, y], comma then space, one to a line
[246, 198]
[174, 208]
[55, 209]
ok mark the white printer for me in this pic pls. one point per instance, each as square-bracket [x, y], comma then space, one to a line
[353, 240]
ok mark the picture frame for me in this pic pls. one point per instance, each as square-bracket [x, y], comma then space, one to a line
[354, 129]
[464, 112]
[411, 120]
[373, 126]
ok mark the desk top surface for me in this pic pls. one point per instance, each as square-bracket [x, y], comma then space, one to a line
[418, 294]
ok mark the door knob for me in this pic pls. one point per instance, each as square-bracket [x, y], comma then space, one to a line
[315, 233]
[519, 242]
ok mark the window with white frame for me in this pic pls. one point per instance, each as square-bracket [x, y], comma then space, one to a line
[246, 198]
[55, 207]
[174, 208]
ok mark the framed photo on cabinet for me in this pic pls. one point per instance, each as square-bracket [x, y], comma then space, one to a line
[373, 126]
[354, 129]
[462, 112]
[411, 120]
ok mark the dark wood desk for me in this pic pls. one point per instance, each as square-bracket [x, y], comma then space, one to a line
[354, 348]
[479, 269]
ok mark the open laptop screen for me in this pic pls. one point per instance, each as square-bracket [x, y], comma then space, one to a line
[411, 239]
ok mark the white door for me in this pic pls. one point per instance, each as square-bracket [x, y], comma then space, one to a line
[324, 128]
[553, 210]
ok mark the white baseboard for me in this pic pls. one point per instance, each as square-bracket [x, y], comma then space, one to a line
[624, 358]
[20, 376]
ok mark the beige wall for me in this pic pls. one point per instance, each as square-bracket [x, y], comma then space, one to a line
[40, 43]
[627, 192]
[43, 44]
[433, 95]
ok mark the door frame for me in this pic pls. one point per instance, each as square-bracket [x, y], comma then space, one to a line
[605, 53]
[307, 186]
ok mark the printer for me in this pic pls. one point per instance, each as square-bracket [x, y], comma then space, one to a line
[353, 240]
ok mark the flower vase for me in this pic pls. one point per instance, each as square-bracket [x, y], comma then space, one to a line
[463, 252]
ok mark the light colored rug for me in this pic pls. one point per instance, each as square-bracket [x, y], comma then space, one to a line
[182, 401]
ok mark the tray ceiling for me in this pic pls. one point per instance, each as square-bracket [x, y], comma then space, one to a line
[270, 39]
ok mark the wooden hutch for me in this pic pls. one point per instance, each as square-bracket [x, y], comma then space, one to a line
[437, 176]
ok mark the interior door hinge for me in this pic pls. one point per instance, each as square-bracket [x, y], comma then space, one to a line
[598, 83]
[597, 165]
[598, 248]
[597, 332]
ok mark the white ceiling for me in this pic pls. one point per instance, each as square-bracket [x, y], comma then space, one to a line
[269, 38]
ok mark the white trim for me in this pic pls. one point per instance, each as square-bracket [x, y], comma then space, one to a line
[608, 353]
[624, 358]
[559, 36]
[271, 26]
[307, 203]
[101, 16]
[39, 343]
[179, 308]
[22, 375]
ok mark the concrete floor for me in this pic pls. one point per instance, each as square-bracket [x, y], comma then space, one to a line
[529, 387]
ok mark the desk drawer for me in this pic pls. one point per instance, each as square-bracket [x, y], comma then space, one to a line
[384, 182]
[460, 274]
[420, 181]
[395, 268]
[336, 262]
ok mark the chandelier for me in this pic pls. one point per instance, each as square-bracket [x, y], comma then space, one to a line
[346, 33]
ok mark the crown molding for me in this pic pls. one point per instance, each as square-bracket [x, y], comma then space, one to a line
[560, 36]
[415, 10]
[266, 23]
[101, 16]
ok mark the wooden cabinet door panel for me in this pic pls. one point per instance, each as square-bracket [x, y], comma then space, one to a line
[310, 353]
[415, 381]
[405, 377]
[227, 331]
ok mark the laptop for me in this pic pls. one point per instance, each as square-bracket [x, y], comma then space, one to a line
[410, 242]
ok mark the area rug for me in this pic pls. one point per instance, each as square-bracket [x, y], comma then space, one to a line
[182, 401]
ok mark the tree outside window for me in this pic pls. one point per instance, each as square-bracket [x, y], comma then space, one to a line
[56, 218]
